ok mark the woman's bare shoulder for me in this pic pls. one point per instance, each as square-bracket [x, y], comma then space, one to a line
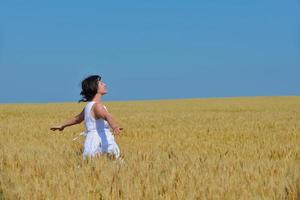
[99, 106]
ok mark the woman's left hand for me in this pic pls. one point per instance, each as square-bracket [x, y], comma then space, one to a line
[54, 128]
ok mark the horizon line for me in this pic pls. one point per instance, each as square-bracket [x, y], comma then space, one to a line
[154, 99]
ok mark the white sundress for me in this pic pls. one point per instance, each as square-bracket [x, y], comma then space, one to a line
[99, 138]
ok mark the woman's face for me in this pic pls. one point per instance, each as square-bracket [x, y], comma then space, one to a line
[102, 88]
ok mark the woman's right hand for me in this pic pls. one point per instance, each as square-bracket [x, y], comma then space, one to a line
[117, 130]
[54, 128]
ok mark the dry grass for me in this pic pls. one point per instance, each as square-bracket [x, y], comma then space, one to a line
[231, 148]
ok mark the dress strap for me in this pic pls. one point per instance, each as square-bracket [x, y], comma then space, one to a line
[87, 109]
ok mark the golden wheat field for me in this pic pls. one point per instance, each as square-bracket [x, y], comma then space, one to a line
[216, 148]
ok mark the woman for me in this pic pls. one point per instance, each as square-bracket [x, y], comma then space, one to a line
[97, 120]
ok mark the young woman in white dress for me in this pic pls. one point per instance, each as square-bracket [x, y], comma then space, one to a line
[98, 121]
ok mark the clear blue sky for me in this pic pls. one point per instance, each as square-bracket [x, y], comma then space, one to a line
[149, 49]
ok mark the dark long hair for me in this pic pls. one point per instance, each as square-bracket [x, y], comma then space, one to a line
[89, 88]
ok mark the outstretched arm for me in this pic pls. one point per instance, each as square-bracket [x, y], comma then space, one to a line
[75, 120]
[101, 112]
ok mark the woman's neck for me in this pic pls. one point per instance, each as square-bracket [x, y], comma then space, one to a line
[97, 98]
